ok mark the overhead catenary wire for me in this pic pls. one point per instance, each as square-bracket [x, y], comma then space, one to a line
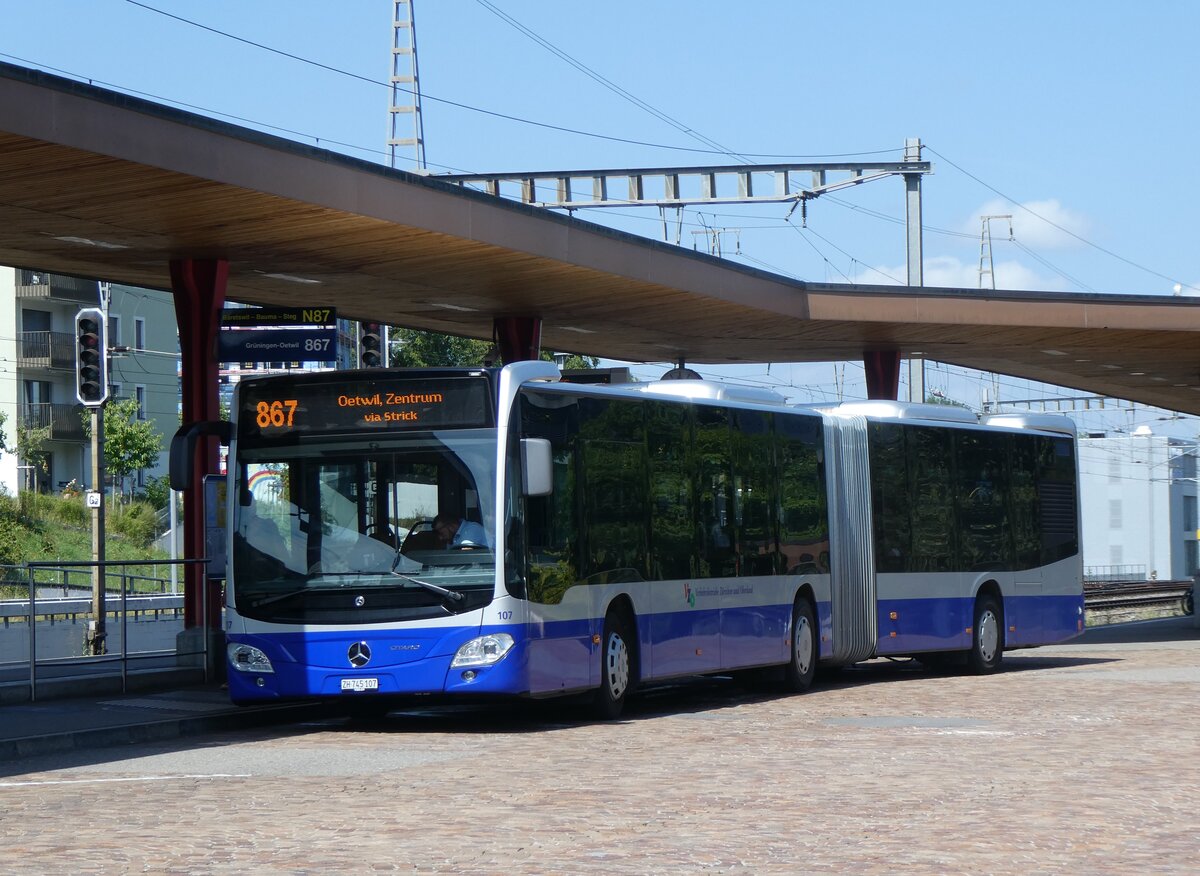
[465, 106]
[810, 243]
[1059, 227]
[610, 85]
[340, 71]
[1033, 255]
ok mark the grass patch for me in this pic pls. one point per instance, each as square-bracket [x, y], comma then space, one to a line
[59, 529]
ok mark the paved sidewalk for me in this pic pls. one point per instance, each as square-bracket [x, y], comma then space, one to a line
[57, 725]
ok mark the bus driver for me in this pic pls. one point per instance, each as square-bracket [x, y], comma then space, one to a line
[453, 531]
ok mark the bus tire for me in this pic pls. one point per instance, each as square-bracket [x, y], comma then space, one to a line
[987, 636]
[801, 667]
[616, 667]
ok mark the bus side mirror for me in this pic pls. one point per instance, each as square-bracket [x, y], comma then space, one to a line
[182, 462]
[537, 467]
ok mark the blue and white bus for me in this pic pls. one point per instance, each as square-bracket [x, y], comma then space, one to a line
[632, 533]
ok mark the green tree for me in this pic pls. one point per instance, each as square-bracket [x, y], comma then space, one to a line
[937, 397]
[31, 447]
[130, 444]
[411, 348]
[3, 437]
[574, 361]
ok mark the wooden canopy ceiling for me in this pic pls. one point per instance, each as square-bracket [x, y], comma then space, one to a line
[100, 185]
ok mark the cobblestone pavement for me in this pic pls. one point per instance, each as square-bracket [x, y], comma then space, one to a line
[1075, 759]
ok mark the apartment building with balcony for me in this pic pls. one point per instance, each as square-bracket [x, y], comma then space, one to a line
[37, 369]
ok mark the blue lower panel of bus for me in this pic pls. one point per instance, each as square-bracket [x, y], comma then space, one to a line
[399, 662]
[562, 656]
[916, 625]
[558, 657]
[555, 657]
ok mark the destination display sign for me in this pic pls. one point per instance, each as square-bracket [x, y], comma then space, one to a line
[278, 409]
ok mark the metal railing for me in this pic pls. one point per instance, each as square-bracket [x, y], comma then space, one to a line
[46, 350]
[42, 284]
[45, 593]
[65, 421]
[1113, 573]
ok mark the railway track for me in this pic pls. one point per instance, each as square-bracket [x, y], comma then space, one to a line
[1139, 594]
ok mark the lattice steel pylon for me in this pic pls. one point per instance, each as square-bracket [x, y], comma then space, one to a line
[405, 111]
[986, 266]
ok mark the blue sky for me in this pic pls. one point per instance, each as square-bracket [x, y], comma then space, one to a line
[1081, 113]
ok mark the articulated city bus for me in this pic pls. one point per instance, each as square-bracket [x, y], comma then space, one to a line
[475, 532]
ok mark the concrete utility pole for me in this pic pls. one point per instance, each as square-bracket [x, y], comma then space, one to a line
[916, 274]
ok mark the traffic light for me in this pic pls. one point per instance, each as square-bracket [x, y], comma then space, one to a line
[91, 357]
[370, 345]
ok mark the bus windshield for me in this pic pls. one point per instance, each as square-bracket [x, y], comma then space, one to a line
[351, 531]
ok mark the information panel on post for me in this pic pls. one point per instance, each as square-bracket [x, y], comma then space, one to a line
[278, 334]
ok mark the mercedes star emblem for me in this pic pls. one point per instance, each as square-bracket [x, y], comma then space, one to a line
[360, 601]
[359, 654]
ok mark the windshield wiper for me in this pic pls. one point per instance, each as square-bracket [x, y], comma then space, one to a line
[452, 595]
[279, 597]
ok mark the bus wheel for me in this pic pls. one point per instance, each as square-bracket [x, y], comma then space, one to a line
[616, 662]
[987, 638]
[802, 666]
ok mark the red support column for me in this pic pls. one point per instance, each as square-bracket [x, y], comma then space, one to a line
[883, 373]
[518, 338]
[199, 287]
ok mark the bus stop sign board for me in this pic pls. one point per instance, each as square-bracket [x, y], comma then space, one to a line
[278, 345]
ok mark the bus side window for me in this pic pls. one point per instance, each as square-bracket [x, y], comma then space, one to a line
[802, 505]
[933, 511]
[891, 500]
[753, 492]
[672, 514]
[714, 499]
[612, 460]
[551, 525]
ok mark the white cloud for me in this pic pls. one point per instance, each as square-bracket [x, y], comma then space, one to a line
[1033, 224]
[953, 272]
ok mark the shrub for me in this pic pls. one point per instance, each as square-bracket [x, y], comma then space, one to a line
[157, 492]
[12, 551]
[67, 510]
[136, 521]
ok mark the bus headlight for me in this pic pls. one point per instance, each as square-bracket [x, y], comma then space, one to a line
[483, 651]
[247, 658]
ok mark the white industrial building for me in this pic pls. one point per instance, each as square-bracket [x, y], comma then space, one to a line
[1138, 496]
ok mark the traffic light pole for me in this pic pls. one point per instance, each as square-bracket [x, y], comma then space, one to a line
[91, 388]
[96, 629]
